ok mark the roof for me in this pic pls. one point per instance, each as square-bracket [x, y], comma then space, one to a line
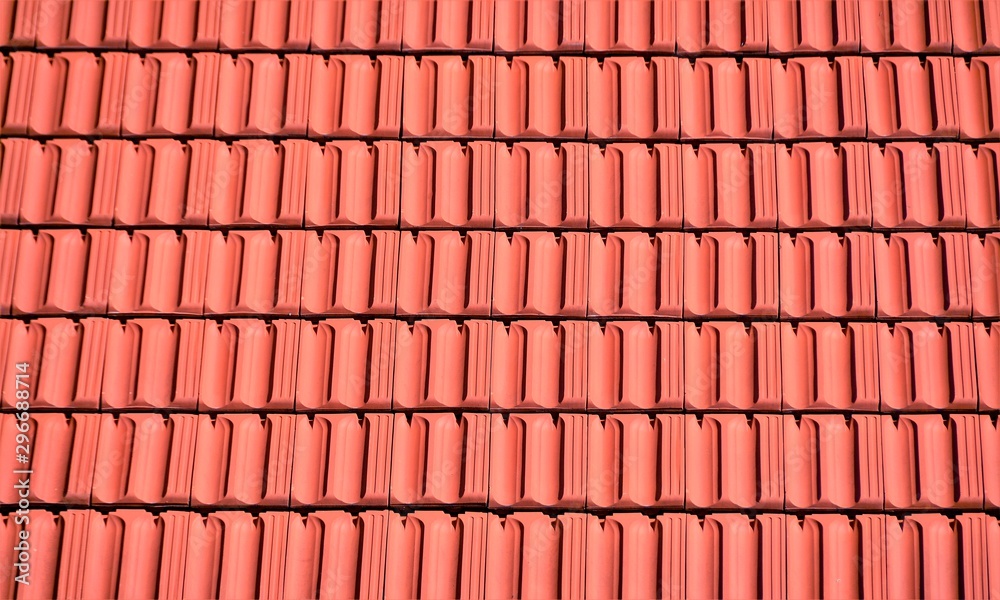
[500, 298]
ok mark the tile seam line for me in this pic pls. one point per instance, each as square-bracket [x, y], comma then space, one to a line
[742, 142]
[408, 509]
[472, 52]
[458, 410]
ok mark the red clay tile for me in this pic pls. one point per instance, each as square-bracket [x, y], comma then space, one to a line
[633, 97]
[77, 93]
[448, 184]
[736, 556]
[544, 272]
[249, 365]
[975, 25]
[982, 185]
[734, 461]
[350, 183]
[348, 25]
[243, 460]
[248, 554]
[983, 254]
[989, 433]
[631, 555]
[732, 366]
[82, 23]
[923, 275]
[633, 185]
[62, 457]
[541, 97]
[731, 274]
[545, 185]
[717, 26]
[445, 273]
[65, 358]
[818, 97]
[144, 458]
[64, 270]
[264, 94]
[827, 275]
[159, 271]
[827, 366]
[153, 363]
[539, 365]
[978, 536]
[443, 364]
[163, 182]
[538, 460]
[448, 96]
[957, 547]
[820, 185]
[346, 364]
[630, 26]
[171, 94]
[929, 87]
[727, 186]
[336, 555]
[440, 458]
[432, 554]
[725, 98]
[927, 367]
[265, 24]
[813, 26]
[636, 461]
[636, 274]
[917, 186]
[10, 241]
[58, 182]
[350, 272]
[44, 529]
[533, 555]
[342, 460]
[979, 96]
[354, 96]
[460, 25]
[932, 461]
[256, 272]
[13, 156]
[17, 72]
[907, 26]
[987, 340]
[256, 183]
[539, 25]
[166, 24]
[17, 23]
[634, 365]
[914, 541]
[833, 462]
[836, 556]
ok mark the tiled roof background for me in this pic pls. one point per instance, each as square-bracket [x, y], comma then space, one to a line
[509, 298]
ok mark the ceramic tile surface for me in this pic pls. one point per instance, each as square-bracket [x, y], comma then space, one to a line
[500, 298]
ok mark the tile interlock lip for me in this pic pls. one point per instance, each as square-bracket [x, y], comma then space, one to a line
[679, 281]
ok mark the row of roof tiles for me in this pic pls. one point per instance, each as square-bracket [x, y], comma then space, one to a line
[349, 365]
[811, 275]
[686, 26]
[431, 554]
[521, 460]
[486, 184]
[86, 94]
